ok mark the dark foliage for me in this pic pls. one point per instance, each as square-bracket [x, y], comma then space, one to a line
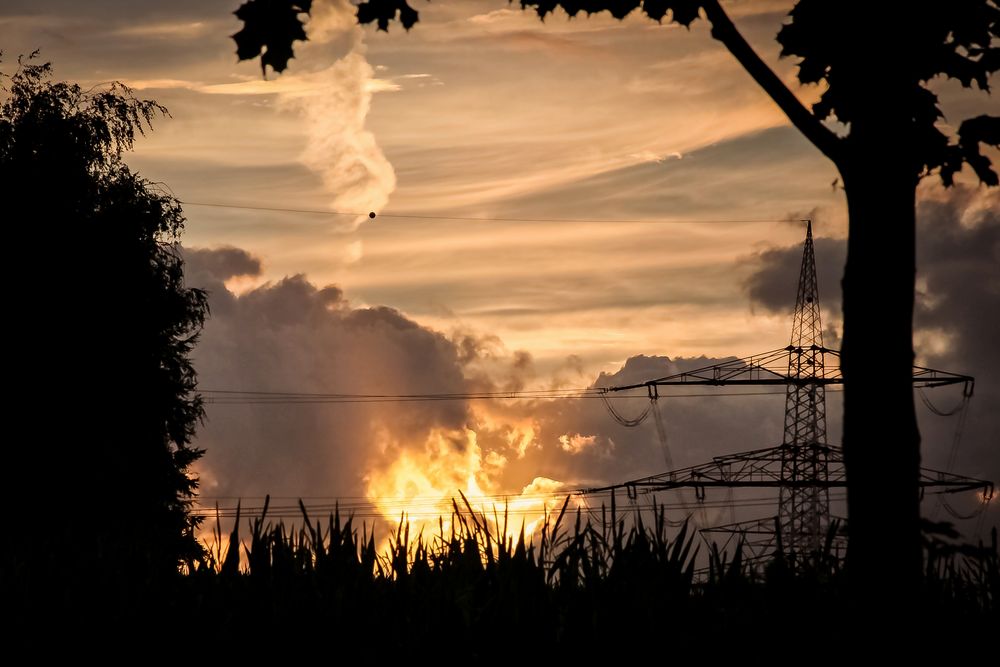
[957, 40]
[100, 331]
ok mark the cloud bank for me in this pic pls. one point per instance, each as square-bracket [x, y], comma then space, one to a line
[414, 457]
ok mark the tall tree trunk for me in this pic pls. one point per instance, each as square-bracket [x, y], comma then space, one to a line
[881, 439]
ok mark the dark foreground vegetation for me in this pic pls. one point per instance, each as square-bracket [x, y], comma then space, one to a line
[579, 588]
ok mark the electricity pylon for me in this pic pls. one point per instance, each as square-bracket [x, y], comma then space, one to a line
[804, 510]
[804, 467]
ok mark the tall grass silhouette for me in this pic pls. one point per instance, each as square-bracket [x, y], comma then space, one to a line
[579, 586]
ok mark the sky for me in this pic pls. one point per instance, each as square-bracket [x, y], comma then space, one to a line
[626, 144]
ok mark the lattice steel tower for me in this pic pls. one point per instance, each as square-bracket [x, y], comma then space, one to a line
[804, 467]
[804, 509]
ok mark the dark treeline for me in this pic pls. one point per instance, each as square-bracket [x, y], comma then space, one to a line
[100, 327]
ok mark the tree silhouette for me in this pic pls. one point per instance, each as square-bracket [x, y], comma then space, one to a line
[101, 329]
[874, 61]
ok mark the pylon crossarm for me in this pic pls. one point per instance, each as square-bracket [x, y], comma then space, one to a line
[931, 377]
[771, 368]
[762, 468]
[948, 482]
[760, 369]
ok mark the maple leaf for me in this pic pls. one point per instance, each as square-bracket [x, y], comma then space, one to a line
[269, 28]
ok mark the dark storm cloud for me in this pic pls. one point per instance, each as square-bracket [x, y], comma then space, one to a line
[291, 335]
[960, 267]
[958, 289]
[773, 282]
[958, 256]
[220, 264]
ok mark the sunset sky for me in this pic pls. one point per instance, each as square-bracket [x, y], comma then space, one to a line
[627, 144]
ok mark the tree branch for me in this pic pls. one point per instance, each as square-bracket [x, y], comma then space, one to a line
[725, 31]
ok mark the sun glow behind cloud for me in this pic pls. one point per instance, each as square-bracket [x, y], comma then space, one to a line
[425, 486]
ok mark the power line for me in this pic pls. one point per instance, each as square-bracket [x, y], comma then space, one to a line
[419, 216]
[497, 394]
[233, 397]
[433, 507]
[424, 507]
